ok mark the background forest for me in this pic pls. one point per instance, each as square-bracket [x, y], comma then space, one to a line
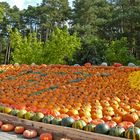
[56, 33]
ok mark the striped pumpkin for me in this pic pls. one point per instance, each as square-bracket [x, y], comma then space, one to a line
[90, 127]
[117, 131]
[47, 119]
[79, 124]
[132, 133]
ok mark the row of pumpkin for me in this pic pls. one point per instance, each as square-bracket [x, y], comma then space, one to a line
[124, 129]
[27, 133]
[102, 128]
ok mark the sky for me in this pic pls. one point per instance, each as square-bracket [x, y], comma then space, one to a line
[22, 4]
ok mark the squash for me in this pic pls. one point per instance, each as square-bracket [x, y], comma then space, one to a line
[30, 133]
[7, 127]
[19, 129]
[1, 123]
[68, 121]
[80, 124]
[126, 124]
[131, 117]
[45, 136]
[102, 128]
[117, 131]
[29, 115]
[111, 124]
[21, 113]
[56, 121]
[1, 108]
[7, 110]
[137, 124]
[90, 127]
[14, 112]
[132, 133]
[47, 119]
[38, 117]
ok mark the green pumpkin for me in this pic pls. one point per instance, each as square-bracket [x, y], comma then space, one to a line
[79, 124]
[117, 131]
[1, 108]
[90, 127]
[56, 121]
[38, 117]
[21, 113]
[137, 124]
[132, 133]
[14, 112]
[29, 115]
[47, 119]
[102, 128]
[68, 121]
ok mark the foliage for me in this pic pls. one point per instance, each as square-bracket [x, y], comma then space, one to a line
[60, 45]
[104, 20]
[26, 49]
[93, 52]
[118, 51]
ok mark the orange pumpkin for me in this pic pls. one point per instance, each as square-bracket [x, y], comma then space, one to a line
[30, 133]
[19, 129]
[45, 136]
[132, 117]
[1, 123]
[7, 127]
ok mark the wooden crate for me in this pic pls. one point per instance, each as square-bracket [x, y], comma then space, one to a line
[57, 131]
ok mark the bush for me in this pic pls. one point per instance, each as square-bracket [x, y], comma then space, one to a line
[118, 51]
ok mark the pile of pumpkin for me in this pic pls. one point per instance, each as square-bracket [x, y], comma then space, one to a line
[27, 133]
[87, 93]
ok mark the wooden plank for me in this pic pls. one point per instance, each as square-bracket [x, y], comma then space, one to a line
[57, 131]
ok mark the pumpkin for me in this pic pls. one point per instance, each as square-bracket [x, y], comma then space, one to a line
[14, 112]
[126, 124]
[47, 119]
[38, 117]
[30, 133]
[132, 133]
[56, 121]
[19, 129]
[1, 108]
[1, 123]
[102, 128]
[45, 136]
[80, 124]
[117, 131]
[21, 113]
[131, 117]
[111, 123]
[97, 121]
[7, 127]
[29, 115]
[137, 124]
[65, 139]
[68, 121]
[7, 110]
[90, 127]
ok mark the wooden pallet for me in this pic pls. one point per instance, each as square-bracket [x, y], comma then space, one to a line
[57, 131]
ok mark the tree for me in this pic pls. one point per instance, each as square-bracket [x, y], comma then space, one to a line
[88, 19]
[126, 23]
[26, 49]
[60, 45]
[118, 51]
